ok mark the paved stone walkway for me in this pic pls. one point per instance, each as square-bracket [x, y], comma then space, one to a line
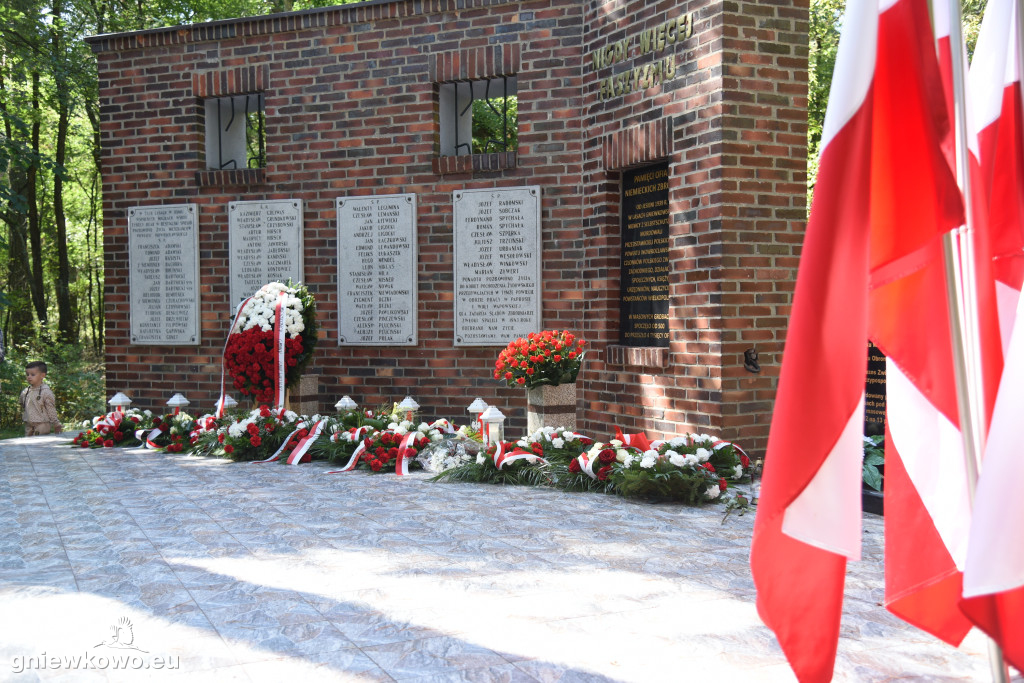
[270, 573]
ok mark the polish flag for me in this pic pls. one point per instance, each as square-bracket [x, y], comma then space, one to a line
[872, 251]
[926, 488]
[994, 576]
[996, 118]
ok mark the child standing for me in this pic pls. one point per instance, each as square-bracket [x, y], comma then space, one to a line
[38, 404]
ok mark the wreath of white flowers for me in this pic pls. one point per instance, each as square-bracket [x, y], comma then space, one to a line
[259, 311]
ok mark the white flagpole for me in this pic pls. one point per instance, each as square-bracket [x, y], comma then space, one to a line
[961, 283]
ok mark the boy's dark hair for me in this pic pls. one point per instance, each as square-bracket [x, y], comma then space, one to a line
[37, 364]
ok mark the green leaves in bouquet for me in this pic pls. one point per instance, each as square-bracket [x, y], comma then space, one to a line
[874, 456]
[521, 473]
[309, 335]
[660, 485]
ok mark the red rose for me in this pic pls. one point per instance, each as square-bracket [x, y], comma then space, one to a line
[556, 358]
[744, 461]
[607, 455]
[722, 485]
[574, 466]
[84, 444]
[134, 419]
[708, 466]
[572, 354]
[118, 436]
[108, 443]
[602, 474]
[271, 426]
[255, 441]
[229, 449]
[220, 438]
[508, 375]
[521, 380]
[375, 465]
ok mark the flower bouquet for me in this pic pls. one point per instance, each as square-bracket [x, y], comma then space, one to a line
[203, 437]
[691, 469]
[382, 449]
[306, 427]
[249, 356]
[256, 435]
[548, 357]
[593, 469]
[505, 463]
[557, 444]
[174, 432]
[114, 429]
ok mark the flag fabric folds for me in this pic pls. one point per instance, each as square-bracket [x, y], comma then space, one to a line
[871, 264]
[994, 574]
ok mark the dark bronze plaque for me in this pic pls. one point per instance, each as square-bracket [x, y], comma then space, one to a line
[643, 294]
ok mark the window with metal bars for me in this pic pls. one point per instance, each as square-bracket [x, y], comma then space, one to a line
[236, 132]
[479, 117]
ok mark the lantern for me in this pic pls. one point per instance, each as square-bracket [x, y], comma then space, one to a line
[409, 406]
[119, 402]
[493, 426]
[477, 407]
[177, 402]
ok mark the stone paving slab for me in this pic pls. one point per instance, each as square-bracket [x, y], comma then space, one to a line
[244, 572]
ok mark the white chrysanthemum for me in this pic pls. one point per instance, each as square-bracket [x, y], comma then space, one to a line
[737, 472]
[627, 461]
[712, 492]
[615, 443]
[557, 443]
[480, 458]
[568, 436]
[677, 442]
[147, 413]
[290, 416]
[691, 459]
[703, 454]
[401, 429]
[676, 459]
[707, 438]
[236, 430]
[392, 426]
[648, 461]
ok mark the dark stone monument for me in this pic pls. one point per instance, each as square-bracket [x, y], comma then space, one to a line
[645, 257]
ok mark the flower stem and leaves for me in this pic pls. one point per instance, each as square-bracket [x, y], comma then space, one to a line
[874, 457]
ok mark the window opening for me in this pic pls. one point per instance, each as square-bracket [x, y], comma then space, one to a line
[236, 136]
[479, 117]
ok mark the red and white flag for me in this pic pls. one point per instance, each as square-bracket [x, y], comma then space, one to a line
[884, 196]
[996, 122]
[993, 587]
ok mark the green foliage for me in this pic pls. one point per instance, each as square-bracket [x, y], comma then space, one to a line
[874, 456]
[521, 472]
[495, 125]
[75, 373]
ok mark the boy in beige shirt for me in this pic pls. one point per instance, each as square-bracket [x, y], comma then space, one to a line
[38, 404]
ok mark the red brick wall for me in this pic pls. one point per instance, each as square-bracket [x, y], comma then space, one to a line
[732, 123]
[351, 109]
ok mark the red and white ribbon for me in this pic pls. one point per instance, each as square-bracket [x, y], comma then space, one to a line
[443, 425]
[148, 440]
[110, 422]
[587, 464]
[224, 357]
[280, 366]
[501, 458]
[357, 434]
[402, 462]
[638, 440]
[353, 461]
[300, 450]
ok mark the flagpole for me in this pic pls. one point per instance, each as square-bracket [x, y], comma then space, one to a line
[961, 291]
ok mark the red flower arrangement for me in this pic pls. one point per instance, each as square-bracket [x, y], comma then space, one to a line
[250, 355]
[382, 449]
[548, 357]
[251, 346]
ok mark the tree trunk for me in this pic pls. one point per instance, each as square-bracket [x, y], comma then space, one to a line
[65, 312]
[35, 232]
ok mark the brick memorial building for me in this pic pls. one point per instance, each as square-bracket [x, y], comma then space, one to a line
[654, 201]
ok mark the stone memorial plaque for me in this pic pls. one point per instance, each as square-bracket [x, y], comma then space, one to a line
[497, 265]
[265, 244]
[874, 392]
[163, 258]
[643, 292]
[377, 270]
